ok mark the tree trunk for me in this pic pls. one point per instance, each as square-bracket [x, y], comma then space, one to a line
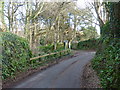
[101, 22]
[115, 19]
[69, 45]
[55, 41]
[2, 23]
[66, 45]
[0, 15]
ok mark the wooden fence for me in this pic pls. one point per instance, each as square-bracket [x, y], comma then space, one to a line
[47, 55]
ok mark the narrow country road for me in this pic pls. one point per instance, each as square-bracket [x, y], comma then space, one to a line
[66, 74]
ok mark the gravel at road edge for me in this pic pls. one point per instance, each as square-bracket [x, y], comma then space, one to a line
[90, 78]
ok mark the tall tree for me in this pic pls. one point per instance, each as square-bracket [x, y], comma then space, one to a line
[2, 23]
[102, 13]
[115, 19]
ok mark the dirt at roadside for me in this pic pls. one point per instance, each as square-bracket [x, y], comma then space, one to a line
[90, 78]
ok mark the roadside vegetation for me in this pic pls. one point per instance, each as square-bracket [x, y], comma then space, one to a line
[37, 33]
[107, 60]
[16, 55]
[34, 34]
[107, 63]
[91, 44]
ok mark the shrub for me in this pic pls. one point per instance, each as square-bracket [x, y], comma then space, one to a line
[50, 48]
[47, 48]
[15, 54]
[74, 46]
[107, 63]
[105, 30]
[88, 44]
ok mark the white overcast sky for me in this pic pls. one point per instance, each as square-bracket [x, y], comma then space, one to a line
[80, 3]
[83, 4]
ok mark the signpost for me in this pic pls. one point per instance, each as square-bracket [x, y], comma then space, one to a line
[66, 44]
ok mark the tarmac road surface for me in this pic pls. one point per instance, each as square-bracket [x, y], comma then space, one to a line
[66, 74]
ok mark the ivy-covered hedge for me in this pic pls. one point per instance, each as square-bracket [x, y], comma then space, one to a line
[88, 44]
[15, 54]
[107, 63]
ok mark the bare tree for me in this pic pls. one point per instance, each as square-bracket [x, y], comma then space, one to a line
[2, 22]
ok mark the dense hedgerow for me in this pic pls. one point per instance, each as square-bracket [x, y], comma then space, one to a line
[107, 63]
[88, 44]
[107, 59]
[15, 54]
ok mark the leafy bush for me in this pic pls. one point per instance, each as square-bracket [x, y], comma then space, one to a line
[105, 30]
[50, 48]
[47, 48]
[74, 46]
[107, 63]
[88, 44]
[60, 46]
[15, 54]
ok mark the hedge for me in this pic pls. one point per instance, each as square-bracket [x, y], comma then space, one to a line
[15, 54]
[107, 63]
[88, 44]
